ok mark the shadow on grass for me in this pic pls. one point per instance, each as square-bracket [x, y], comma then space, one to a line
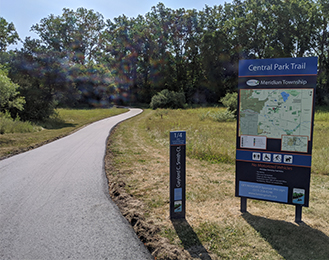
[55, 123]
[60, 126]
[290, 240]
[190, 239]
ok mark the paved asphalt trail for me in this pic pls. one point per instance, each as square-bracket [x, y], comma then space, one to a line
[54, 202]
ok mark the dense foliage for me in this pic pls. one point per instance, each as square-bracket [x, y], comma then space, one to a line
[82, 59]
[230, 101]
[9, 96]
[168, 99]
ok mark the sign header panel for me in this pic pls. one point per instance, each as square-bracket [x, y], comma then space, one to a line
[278, 67]
[177, 138]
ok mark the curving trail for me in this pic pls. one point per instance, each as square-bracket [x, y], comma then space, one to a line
[54, 201]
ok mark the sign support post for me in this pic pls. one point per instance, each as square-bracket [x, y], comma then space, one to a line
[298, 214]
[177, 174]
[243, 205]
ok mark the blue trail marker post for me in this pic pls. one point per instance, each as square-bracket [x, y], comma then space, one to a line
[177, 174]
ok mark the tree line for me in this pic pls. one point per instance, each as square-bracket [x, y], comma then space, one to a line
[80, 58]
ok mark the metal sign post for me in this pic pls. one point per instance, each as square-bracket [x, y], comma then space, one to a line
[177, 174]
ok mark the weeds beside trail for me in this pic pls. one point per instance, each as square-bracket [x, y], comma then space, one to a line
[137, 166]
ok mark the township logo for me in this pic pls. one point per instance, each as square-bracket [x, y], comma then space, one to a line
[252, 82]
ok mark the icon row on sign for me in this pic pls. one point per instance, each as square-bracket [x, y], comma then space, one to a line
[268, 157]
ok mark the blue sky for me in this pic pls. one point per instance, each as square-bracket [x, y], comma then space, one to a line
[25, 13]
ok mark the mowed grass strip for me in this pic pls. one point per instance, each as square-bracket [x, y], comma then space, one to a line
[214, 227]
[65, 122]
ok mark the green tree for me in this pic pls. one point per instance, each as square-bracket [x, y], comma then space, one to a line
[32, 69]
[10, 100]
[186, 51]
[74, 35]
[193, 61]
[320, 46]
[122, 49]
[162, 71]
[67, 58]
[219, 55]
[8, 34]
[293, 27]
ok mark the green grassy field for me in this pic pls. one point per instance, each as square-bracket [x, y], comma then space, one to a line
[214, 227]
[215, 141]
[20, 136]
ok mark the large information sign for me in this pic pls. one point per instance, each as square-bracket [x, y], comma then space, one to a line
[275, 129]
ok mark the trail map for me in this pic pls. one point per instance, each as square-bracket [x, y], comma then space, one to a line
[294, 143]
[277, 112]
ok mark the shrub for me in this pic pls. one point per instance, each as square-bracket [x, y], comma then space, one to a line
[230, 101]
[161, 112]
[39, 104]
[9, 96]
[168, 99]
[9, 125]
[222, 116]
